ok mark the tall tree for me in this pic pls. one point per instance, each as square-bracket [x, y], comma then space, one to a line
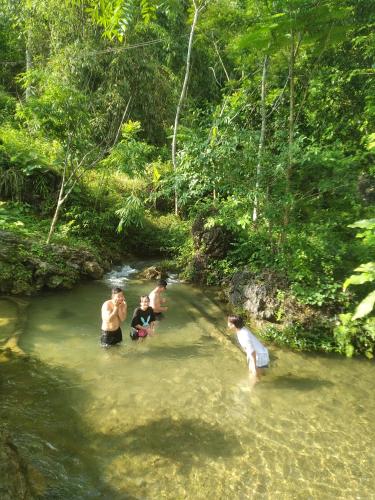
[197, 10]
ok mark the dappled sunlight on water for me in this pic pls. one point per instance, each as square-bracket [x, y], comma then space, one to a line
[175, 415]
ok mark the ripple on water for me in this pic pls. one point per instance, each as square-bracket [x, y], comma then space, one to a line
[175, 417]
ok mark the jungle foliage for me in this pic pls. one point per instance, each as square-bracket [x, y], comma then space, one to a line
[276, 135]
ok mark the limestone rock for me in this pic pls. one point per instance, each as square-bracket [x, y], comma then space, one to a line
[211, 242]
[153, 273]
[93, 269]
[257, 294]
[27, 266]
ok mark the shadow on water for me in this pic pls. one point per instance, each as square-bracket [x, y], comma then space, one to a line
[179, 351]
[293, 382]
[65, 313]
[48, 432]
[180, 440]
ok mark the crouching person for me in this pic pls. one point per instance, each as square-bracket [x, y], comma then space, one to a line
[256, 353]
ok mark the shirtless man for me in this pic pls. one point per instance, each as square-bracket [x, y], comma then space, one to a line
[113, 314]
[156, 300]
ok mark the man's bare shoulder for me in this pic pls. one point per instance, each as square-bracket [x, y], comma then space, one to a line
[107, 304]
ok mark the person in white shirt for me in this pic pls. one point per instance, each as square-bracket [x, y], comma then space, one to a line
[256, 353]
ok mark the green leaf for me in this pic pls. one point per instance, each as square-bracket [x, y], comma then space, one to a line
[349, 350]
[369, 267]
[365, 307]
[358, 279]
[365, 223]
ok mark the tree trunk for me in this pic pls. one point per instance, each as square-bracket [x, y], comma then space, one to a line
[29, 61]
[182, 96]
[261, 139]
[60, 201]
[291, 129]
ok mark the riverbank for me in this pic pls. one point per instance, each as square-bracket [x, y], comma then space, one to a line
[76, 253]
[28, 265]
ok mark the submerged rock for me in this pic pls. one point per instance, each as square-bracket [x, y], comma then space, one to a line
[17, 478]
[12, 321]
[8, 318]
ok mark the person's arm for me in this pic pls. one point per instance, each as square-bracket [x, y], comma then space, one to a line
[253, 363]
[159, 302]
[122, 311]
[135, 319]
[252, 358]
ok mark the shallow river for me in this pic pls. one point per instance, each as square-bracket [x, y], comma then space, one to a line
[174, 416]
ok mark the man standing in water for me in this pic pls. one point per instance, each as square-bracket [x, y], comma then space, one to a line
[156, 300]
[113, 314]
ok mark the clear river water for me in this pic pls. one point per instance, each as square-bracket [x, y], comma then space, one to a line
[174, 416]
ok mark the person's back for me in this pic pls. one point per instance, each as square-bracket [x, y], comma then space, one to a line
[256, 353]
[249, 343]
[156, 299]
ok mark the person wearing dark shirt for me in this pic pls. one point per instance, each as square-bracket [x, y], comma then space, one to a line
[143, 321]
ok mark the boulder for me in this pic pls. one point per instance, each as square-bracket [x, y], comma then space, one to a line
[257, 294]
[211, 243]
[27, 266]
[153, 273]
[92, 269]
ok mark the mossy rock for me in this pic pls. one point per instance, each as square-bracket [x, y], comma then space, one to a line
[27, 265]
[153, 273]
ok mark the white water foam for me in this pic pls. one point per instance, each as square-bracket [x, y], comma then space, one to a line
[119, 276]
[173, 278]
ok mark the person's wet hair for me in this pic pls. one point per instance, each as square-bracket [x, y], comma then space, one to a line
[145, 297]
[237, 321]
[162, 283]
[116, 290]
